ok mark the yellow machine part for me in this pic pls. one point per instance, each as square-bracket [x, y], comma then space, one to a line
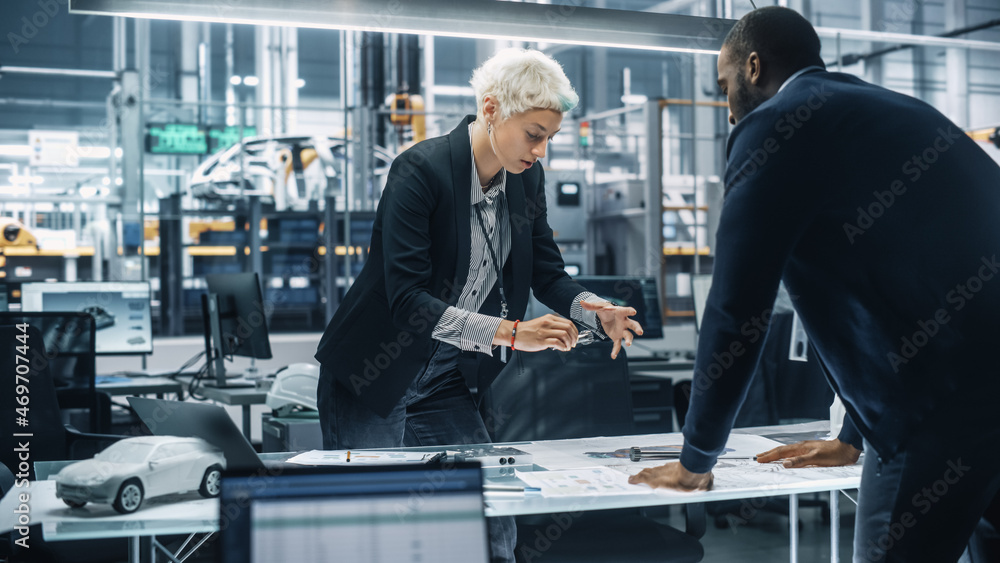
[13, 233]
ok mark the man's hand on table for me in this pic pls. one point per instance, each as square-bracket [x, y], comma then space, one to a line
[673, 476]
[819, 453]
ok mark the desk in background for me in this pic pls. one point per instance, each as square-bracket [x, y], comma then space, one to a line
[121, 385]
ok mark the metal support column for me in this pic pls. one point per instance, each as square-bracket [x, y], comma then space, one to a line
[254, 216]
[834, 526]
[793, 528]
[653, 255]
[171, 266]
[329, 278]
[957, 66]
[130, 116]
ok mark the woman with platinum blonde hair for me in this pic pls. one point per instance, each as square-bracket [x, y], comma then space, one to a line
[459, 239]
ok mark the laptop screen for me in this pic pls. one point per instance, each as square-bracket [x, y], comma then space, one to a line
[374, 514]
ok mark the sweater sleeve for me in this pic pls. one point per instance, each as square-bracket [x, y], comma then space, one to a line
[765, 210]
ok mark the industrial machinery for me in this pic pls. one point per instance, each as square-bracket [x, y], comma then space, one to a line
[291, 170]
[15, 234]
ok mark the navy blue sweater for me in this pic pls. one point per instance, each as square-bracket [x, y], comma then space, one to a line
[883, 219]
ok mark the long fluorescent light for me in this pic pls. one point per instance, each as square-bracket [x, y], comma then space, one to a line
[906, 38]
[514, 21]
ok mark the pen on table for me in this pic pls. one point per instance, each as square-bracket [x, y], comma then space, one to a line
[636, 454]
[509, 489]
[348, 456]
[436, 457]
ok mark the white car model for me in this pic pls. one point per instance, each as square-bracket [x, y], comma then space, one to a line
[133, 469]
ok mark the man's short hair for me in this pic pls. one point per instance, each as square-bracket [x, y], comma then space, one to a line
[780, 36]
[521, 80]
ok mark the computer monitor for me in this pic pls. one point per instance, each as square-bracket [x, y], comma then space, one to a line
[235, 317]
[371, 514]
[640, 293]
[121, 310]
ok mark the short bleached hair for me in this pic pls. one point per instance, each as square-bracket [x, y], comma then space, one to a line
[521, 80]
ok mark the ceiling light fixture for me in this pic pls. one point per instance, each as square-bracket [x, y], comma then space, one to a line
[512, 21]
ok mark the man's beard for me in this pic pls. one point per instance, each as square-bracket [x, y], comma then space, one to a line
[746, 100]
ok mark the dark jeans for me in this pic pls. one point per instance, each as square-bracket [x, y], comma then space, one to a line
[925, 502]
[437, 409]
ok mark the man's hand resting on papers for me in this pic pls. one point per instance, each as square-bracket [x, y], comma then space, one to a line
[673, 476]
[820, 453]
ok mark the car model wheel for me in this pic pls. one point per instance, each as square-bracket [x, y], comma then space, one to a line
[210, 482]
[129, 497]
[74, 503]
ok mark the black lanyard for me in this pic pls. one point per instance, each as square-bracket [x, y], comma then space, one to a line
[493, 257]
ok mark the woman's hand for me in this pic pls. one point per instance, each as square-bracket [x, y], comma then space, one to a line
[616, 323]
[548, 331]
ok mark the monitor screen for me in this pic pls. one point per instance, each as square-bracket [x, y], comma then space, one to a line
[374, 514]
[242, 314]
[640, 293]
[121, 310]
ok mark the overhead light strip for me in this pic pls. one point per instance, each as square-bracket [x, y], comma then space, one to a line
[480, 19]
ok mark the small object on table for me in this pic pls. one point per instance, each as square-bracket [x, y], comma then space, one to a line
[636, 454]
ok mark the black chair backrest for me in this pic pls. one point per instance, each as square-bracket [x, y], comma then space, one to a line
[32, 418]
[552, 395]
[69, 346]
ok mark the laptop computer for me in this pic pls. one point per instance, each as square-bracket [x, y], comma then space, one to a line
[370, 514]
[200, 420]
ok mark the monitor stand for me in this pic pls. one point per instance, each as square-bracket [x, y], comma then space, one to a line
[238, 383]
[213, 348]
[217, 376]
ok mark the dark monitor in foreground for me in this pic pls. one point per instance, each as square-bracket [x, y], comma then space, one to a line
[640, 293]
[67, 352]
[366, 515]
[121, 310]
[235, 321]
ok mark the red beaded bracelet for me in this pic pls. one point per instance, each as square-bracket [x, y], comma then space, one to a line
[513, 334]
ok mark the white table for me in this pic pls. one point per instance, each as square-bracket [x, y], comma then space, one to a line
[190, 514]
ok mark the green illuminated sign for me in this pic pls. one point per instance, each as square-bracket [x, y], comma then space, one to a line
[176, 138]
[225, 137]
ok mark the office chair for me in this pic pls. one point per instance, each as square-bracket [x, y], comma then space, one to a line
[553, 395]
[68, 339]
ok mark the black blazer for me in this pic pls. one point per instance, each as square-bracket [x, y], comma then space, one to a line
[881, 216]
[380, 337]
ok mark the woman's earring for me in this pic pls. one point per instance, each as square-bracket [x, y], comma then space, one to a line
[489, 128]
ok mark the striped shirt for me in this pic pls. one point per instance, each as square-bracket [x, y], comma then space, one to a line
[462, 325]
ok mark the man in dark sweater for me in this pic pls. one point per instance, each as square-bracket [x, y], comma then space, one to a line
[880, 216]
